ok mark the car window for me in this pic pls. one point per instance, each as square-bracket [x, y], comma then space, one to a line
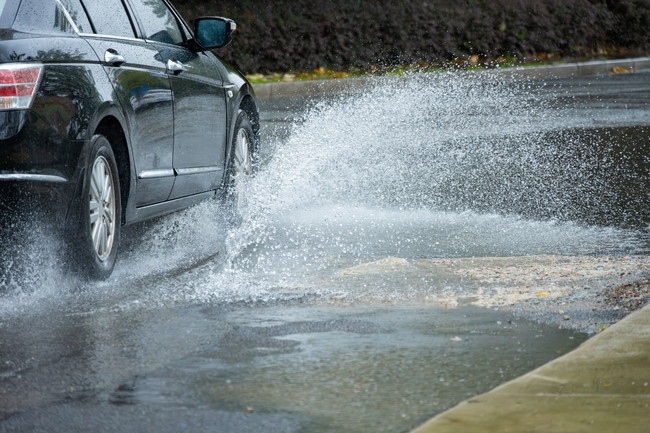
[8, 10]
[109, 17]
[78, 15]
[158, 22]
[41, 16]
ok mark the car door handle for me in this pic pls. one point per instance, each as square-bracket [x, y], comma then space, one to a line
[114, 58]
[175, 67]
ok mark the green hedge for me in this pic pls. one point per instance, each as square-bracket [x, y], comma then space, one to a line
[286, 35]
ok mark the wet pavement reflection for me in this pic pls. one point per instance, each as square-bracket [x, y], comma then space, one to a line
[281, 368]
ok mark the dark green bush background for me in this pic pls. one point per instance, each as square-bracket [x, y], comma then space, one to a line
[285, 35]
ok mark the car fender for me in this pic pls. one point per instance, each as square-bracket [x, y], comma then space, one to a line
[108, 114]
[242, 100]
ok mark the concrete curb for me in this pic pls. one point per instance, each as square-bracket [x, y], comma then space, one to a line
[602, 386]
[323, 87]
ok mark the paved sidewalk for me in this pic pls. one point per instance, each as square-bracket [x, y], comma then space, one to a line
[603, 386]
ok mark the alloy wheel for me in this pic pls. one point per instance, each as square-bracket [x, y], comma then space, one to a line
[102, 208]
[242, 166]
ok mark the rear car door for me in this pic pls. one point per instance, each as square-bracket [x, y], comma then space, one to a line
[199, 100]
[143, 88]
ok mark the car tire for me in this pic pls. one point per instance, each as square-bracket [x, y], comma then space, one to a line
[242, 162]
[100, 212]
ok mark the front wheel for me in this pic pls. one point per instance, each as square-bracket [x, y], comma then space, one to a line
[242, 160]
[100, 214]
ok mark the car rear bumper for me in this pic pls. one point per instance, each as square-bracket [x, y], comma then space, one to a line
[30, 146]
[38, 168]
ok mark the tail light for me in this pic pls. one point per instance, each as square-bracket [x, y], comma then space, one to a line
[18, 85]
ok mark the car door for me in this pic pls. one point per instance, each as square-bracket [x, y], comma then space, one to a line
[142, 86]
[199, 100]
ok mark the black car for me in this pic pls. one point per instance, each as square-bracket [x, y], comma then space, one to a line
[115, 111]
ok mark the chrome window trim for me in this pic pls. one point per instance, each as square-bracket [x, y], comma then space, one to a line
[103, 36]
[151, 41]
[124, 38]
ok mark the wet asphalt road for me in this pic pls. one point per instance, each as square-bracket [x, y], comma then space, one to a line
[260, 368]
[182, 340]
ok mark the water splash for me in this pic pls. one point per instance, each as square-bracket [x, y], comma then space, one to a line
[440, 165]
[30, 263]
[435, 165]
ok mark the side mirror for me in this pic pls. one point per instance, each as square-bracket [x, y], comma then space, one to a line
[213, 32]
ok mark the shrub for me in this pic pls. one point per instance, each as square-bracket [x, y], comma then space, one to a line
[285, 35]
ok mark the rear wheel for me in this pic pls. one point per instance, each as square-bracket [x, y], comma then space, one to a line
[100, 212]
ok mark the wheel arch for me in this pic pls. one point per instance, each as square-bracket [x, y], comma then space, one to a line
[110, 127]
[248, 105]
